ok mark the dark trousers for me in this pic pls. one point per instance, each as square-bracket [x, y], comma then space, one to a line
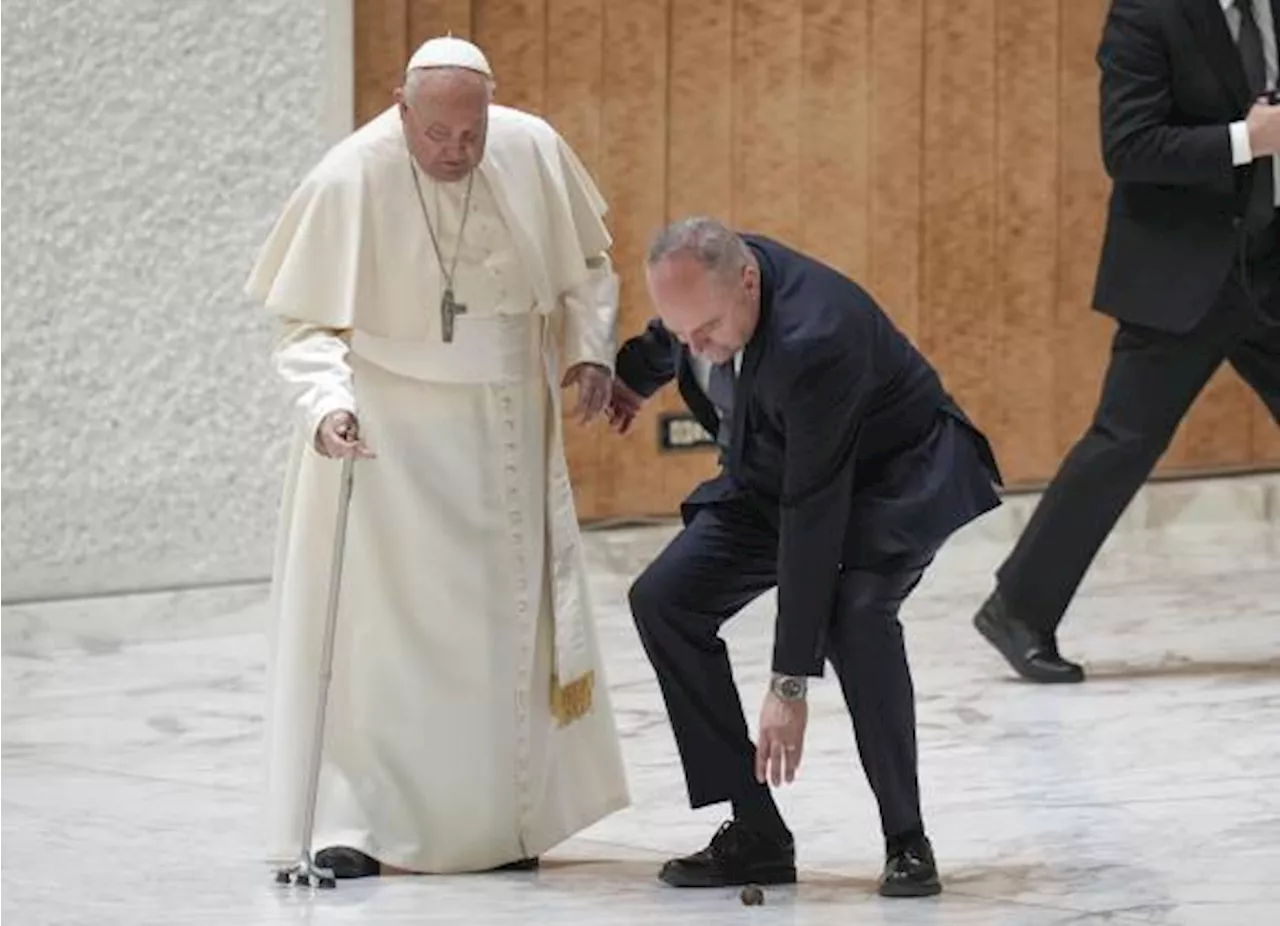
[1152, 379]
[724, 558]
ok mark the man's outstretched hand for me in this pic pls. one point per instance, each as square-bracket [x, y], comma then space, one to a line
[624, 405]
[780, 739]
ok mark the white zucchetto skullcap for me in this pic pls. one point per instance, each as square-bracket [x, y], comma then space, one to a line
[448, 52]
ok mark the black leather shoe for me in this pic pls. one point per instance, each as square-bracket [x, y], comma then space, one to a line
[346, 862]
[736, 855]
[910, 871]
[522, 864]
[1032, 653]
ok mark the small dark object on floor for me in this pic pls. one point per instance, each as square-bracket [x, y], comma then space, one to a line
[752, 896]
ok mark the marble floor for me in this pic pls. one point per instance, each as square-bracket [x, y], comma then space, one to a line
[1151, 794]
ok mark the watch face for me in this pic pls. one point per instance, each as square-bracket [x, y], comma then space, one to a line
[790, 687]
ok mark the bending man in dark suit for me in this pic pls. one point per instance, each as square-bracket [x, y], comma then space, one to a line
[845, 467]
[1190, 268]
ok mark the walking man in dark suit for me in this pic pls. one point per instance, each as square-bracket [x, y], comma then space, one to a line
[845, 467]
[1190, 269]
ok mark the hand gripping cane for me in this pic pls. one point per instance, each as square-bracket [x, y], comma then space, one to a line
[304, 870]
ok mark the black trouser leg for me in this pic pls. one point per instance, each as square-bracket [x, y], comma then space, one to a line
[1255, 354]
[1151, 381]
[1257, 360]
[866, 649]
[726, 557]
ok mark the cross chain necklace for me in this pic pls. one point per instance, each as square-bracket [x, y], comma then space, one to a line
[450, 308]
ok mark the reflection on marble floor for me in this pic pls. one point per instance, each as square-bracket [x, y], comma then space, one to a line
[1151, 794]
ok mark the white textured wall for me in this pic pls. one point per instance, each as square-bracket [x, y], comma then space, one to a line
[147, 147]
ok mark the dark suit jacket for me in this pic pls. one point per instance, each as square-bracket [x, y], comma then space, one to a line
[1172, 81]
[842, 435]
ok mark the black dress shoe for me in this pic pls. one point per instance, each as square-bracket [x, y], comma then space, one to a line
[910, 871]
[1032, 653]
[346, 862]
[736, 855]
[521, 864]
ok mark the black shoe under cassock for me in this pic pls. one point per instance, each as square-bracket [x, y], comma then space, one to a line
[346, 862]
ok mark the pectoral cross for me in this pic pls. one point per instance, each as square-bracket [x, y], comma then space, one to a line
[450, 308]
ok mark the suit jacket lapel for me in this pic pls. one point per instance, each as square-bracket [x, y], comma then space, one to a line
[1209, 26]
[750, 362]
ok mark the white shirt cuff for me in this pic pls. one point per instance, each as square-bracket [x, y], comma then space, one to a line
[1241, 150]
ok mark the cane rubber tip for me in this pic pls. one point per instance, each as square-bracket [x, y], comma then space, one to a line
[752, 896]
[282, 877]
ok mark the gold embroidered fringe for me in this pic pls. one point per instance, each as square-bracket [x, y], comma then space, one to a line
[572, 701]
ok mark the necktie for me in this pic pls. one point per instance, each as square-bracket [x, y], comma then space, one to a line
[720, 391]
[1250, 44]
[1261, 209]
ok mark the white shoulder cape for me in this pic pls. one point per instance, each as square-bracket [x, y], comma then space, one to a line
[347, 250]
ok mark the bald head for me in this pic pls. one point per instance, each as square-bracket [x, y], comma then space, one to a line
[704, 240]
[705, 286]
[445, 115]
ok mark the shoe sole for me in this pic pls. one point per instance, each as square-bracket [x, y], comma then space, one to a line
[761, 876]
[927, 889]
[996, 639]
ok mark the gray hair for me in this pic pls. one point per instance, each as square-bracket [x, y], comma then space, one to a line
[709, 242]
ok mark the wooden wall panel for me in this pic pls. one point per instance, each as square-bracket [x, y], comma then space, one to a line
[381, 50]
[959, 323]
[835, 136]
[1265, 441]
[767, 127]
[575, 73]
[896, 153]
[429, 18]
[1216, 428]
[1081, 336]
[700, 140]
[1026, 235]
[945, 155]
[572, 104]
[631, 171]
[700, 180]
[513, 35]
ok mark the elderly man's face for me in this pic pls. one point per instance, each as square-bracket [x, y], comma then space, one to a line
[712, 315]
[445, 115]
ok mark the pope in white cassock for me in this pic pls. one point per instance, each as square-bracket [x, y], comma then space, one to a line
[440, 274]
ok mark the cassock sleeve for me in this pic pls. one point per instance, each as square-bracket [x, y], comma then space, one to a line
[646, 362]
[312, 362]
[591, 317]
[822, 411]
